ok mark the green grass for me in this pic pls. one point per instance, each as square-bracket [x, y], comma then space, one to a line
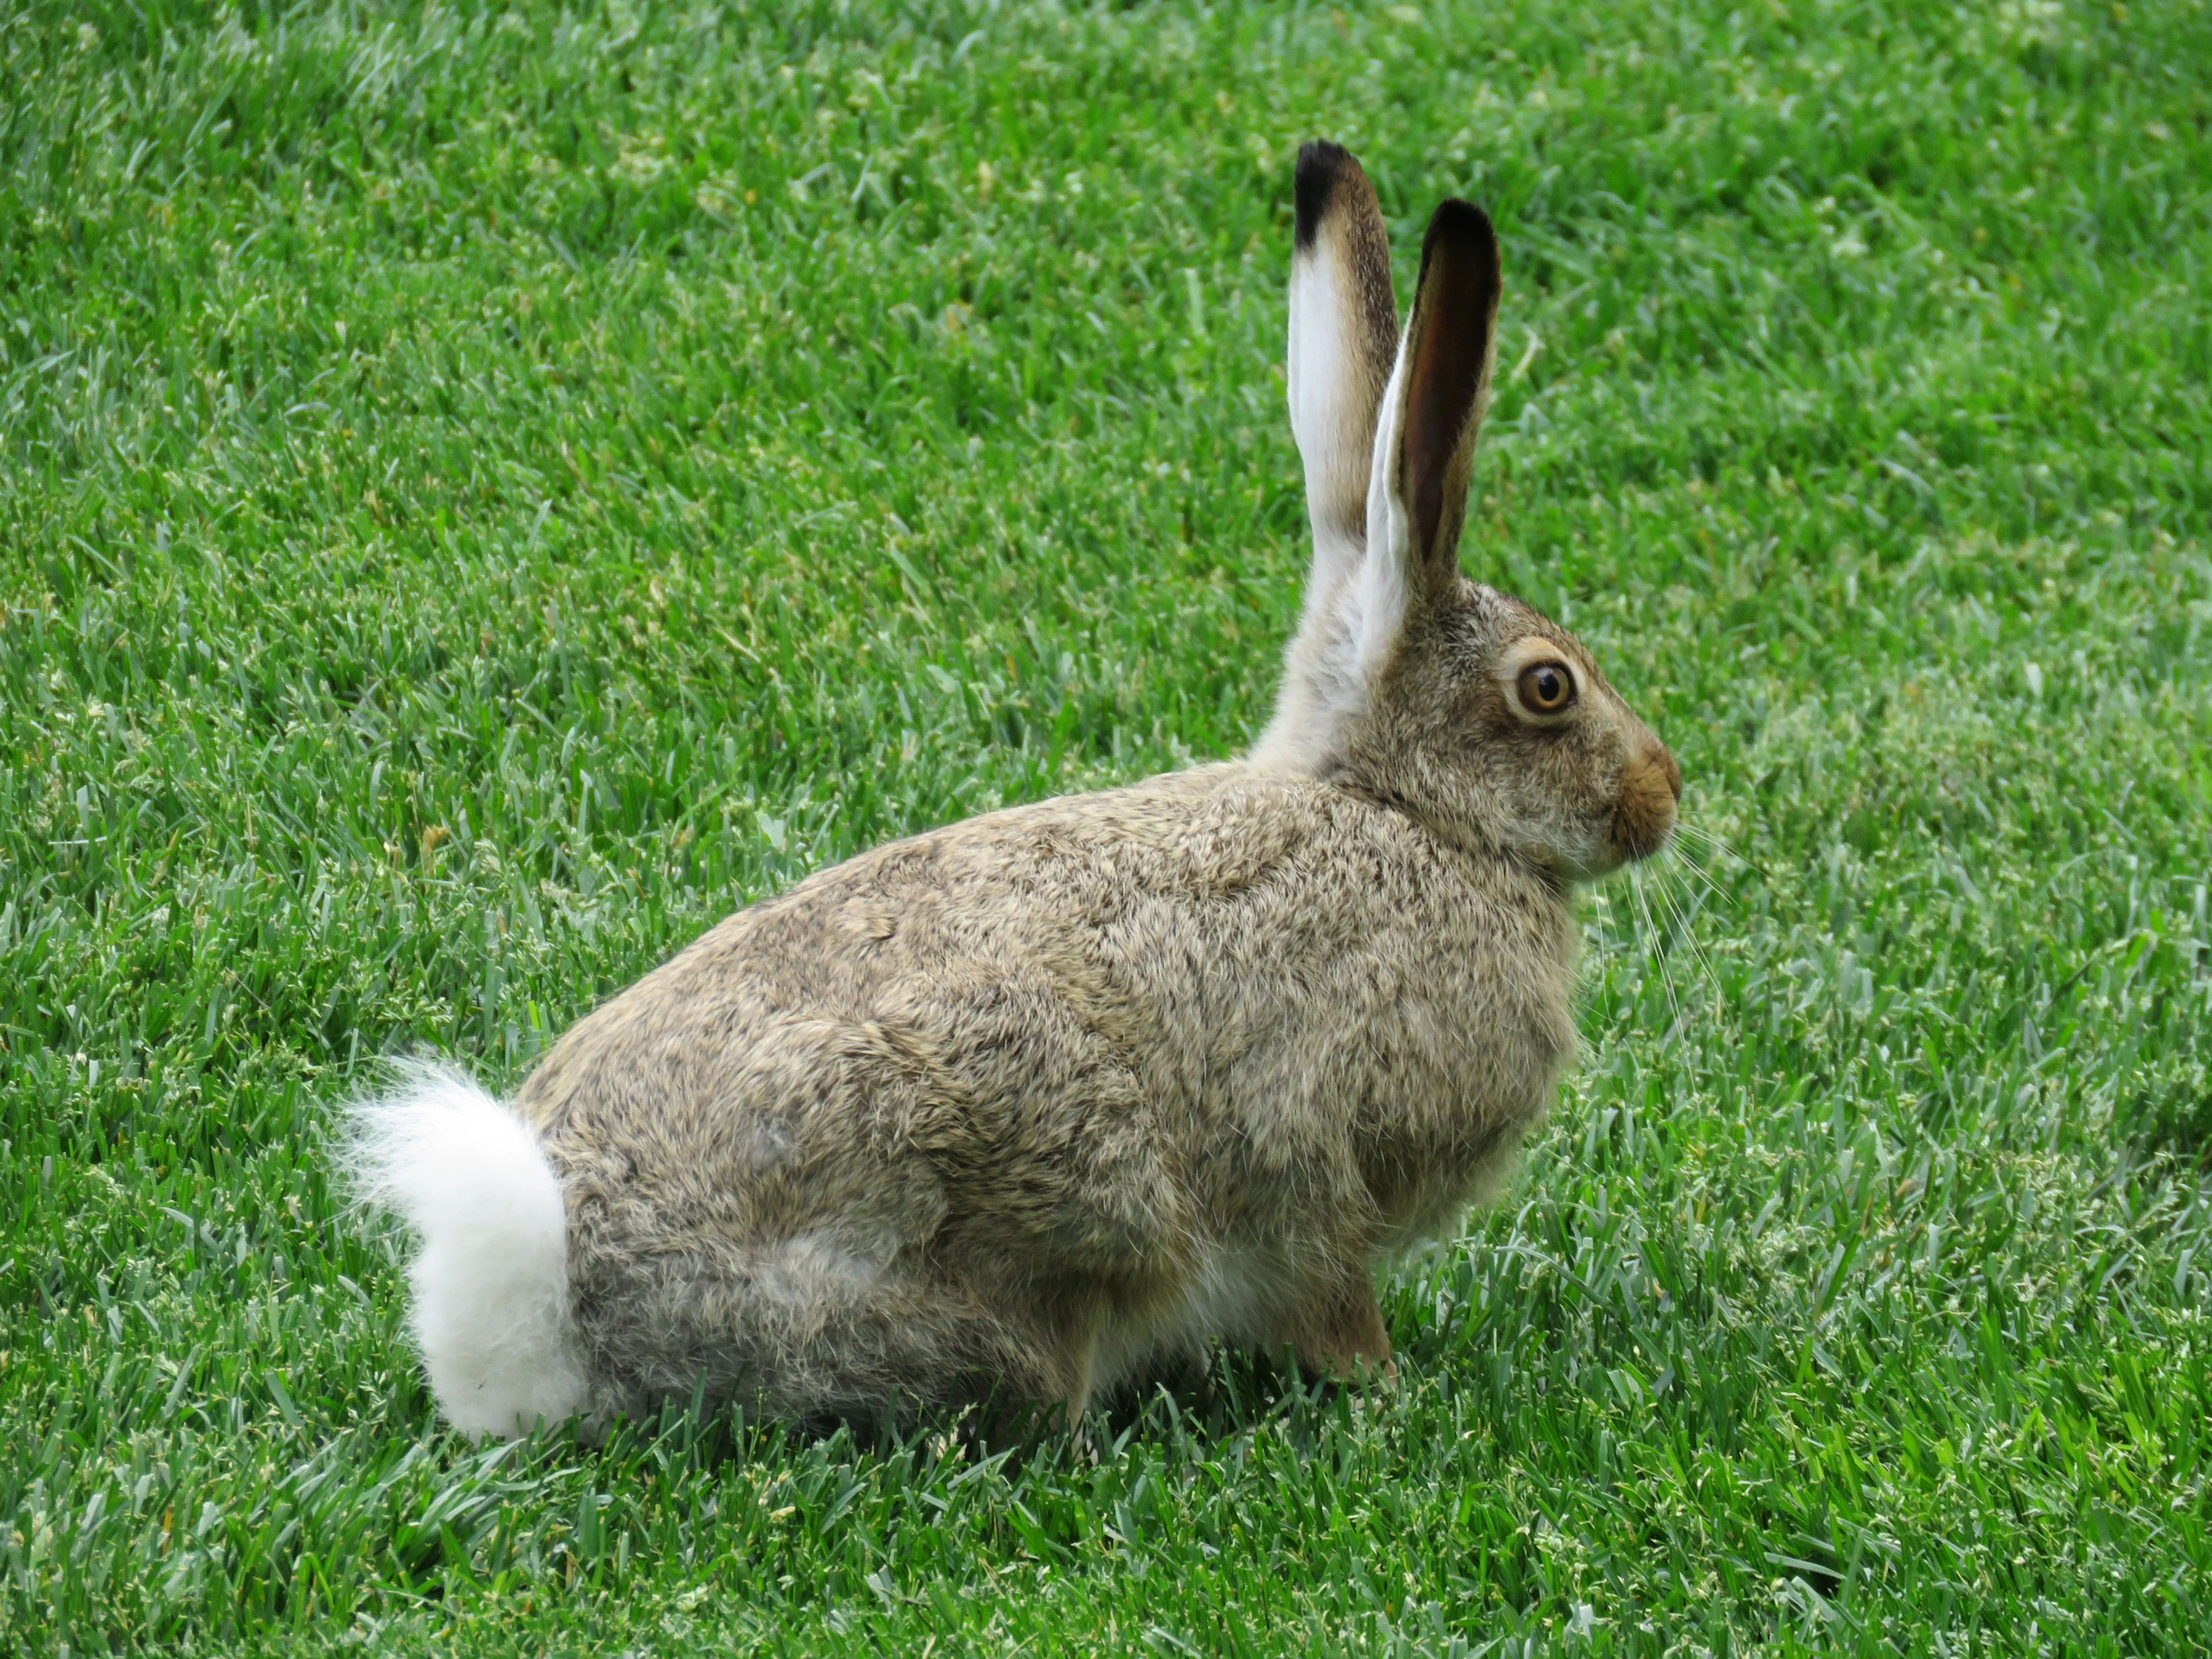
[482, 496]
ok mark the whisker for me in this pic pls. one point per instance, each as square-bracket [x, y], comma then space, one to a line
[1701, 885]
[1699, 835]
[1693, 828]
[1684, 914]
[1710, 887]
[1671, 931]
[1650, 958]
[1707, 845]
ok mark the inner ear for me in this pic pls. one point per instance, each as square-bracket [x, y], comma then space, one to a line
[1450, 344]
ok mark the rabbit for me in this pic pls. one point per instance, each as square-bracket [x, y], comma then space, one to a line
[1038, 1106]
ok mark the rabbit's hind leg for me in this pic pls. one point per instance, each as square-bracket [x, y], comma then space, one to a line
[805, 1336]
[1014, 1371]
[937, 1357]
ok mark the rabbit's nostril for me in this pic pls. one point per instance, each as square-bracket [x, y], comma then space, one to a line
[1674, 773]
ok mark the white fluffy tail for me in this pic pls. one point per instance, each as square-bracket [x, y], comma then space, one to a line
[490, 1273]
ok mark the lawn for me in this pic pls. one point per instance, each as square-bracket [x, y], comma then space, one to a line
[483, 493]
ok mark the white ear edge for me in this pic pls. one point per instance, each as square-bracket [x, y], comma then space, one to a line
[1379, 592]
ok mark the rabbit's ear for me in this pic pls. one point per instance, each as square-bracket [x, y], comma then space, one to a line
[1424, 447]
[1344, 331]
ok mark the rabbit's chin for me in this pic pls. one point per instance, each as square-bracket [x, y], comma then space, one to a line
[1600, 856]
[1575, 871]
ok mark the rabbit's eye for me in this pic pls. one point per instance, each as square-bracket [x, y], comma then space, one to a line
[1546, 688]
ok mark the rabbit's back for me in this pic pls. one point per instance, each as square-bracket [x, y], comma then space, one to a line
[1142, 1059]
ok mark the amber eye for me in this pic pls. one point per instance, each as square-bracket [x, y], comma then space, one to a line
[1546, 688]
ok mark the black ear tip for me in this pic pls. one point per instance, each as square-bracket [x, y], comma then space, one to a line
[1321, 164]
[1462, 221]
[1321, 153]
[1463, 227]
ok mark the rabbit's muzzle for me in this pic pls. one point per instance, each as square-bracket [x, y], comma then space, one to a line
[1644, 816]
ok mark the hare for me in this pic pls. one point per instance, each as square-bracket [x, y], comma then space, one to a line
[1033, 1106]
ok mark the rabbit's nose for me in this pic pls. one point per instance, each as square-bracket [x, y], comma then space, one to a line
[1644, 814]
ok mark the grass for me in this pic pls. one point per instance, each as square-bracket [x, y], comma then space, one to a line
[483, 493]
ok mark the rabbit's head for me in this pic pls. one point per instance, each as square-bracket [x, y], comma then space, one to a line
[1457, 702]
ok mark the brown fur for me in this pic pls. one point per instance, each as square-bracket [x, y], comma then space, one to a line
[1032, 1105]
